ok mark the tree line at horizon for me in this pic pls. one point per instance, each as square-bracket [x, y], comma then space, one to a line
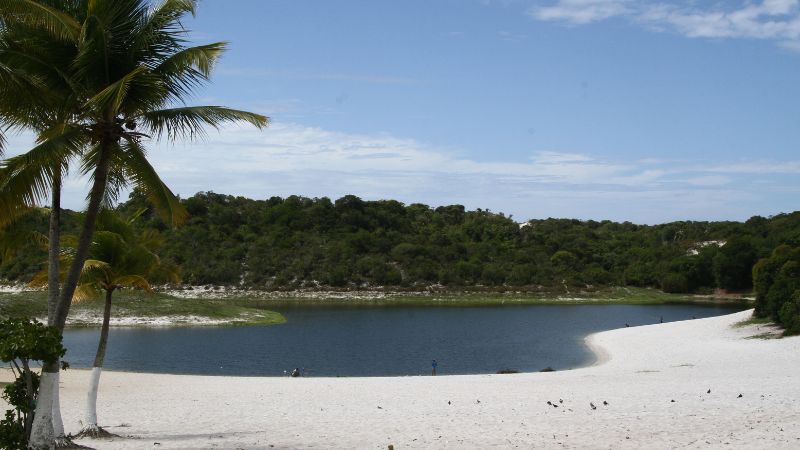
[298, 242]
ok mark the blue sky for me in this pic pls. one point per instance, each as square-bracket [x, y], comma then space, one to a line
[592, 109]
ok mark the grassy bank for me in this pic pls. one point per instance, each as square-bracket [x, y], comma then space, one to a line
[133, 308]
[214, 307]
[612, 295]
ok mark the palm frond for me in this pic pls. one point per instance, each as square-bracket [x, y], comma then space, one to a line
[37, 14]
[39, 239]
[133, 281]
[173, 9]
[91, 61]
[86, 291]
[151, 240]
[144, 176]
[39, 280]
[26, 179]
[35, 77]
[109, 220]
[95, 272]
[116, 182]
[93, 264]
[112, 97]
[188, 69]
[201, 57]
[116, 178]
[109, 247]
[161, 30]
[189, 122]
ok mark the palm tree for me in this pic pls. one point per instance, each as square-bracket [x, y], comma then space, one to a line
[119, 258]
[111, 74]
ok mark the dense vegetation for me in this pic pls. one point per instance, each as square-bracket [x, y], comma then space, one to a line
[777, 287]
[300, 242]
[23, 342]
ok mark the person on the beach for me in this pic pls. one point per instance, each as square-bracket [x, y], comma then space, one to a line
[296, 372]
[433, 365]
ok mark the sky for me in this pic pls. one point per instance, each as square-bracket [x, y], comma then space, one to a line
[645, 111]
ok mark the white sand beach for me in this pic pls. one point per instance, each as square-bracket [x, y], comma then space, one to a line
[654, 378]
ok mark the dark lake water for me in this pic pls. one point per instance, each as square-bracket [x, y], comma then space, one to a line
[375, 341]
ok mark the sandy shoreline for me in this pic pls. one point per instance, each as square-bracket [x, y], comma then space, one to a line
[643, 369]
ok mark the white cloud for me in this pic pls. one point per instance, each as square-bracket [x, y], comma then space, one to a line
[291, 159]
[775, 20]
[709, 180]
[581, 11]
[756, 167]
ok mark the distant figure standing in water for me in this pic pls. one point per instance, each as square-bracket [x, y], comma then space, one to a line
[296, 372]
[661, 320]
[433, 365]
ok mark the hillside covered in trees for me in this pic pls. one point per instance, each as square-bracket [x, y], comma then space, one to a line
[299, 242]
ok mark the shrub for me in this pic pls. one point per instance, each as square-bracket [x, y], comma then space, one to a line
[675, 283]
[23, 341]
[789, 315]
[777, 286]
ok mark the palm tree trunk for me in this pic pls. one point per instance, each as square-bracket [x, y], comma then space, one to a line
[91, 399]
[53, 288]
[53, 251]
[51, 429]
[43, 434]
[58, 423]
[87, 232]
[101, 346]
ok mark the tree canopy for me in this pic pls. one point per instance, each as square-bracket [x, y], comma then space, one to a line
[294, 242]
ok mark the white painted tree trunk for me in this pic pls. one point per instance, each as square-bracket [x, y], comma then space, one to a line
[91, 400]
[58, 424]
[42, 432]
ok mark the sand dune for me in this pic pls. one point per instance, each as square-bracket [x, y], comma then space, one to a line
[643, 370]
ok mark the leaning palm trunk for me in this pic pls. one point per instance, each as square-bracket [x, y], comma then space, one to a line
[85, 238]
[53, 290]
[54, 239]
[90, 428]
[43, 434]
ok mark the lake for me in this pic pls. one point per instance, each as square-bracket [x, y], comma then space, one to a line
[379, 341]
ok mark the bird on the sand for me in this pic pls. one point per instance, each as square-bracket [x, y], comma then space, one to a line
[605, 403]
[592, 405]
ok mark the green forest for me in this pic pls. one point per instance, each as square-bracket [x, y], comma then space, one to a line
[298, 242]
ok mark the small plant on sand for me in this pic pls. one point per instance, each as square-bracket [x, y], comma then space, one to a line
[23, 341]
